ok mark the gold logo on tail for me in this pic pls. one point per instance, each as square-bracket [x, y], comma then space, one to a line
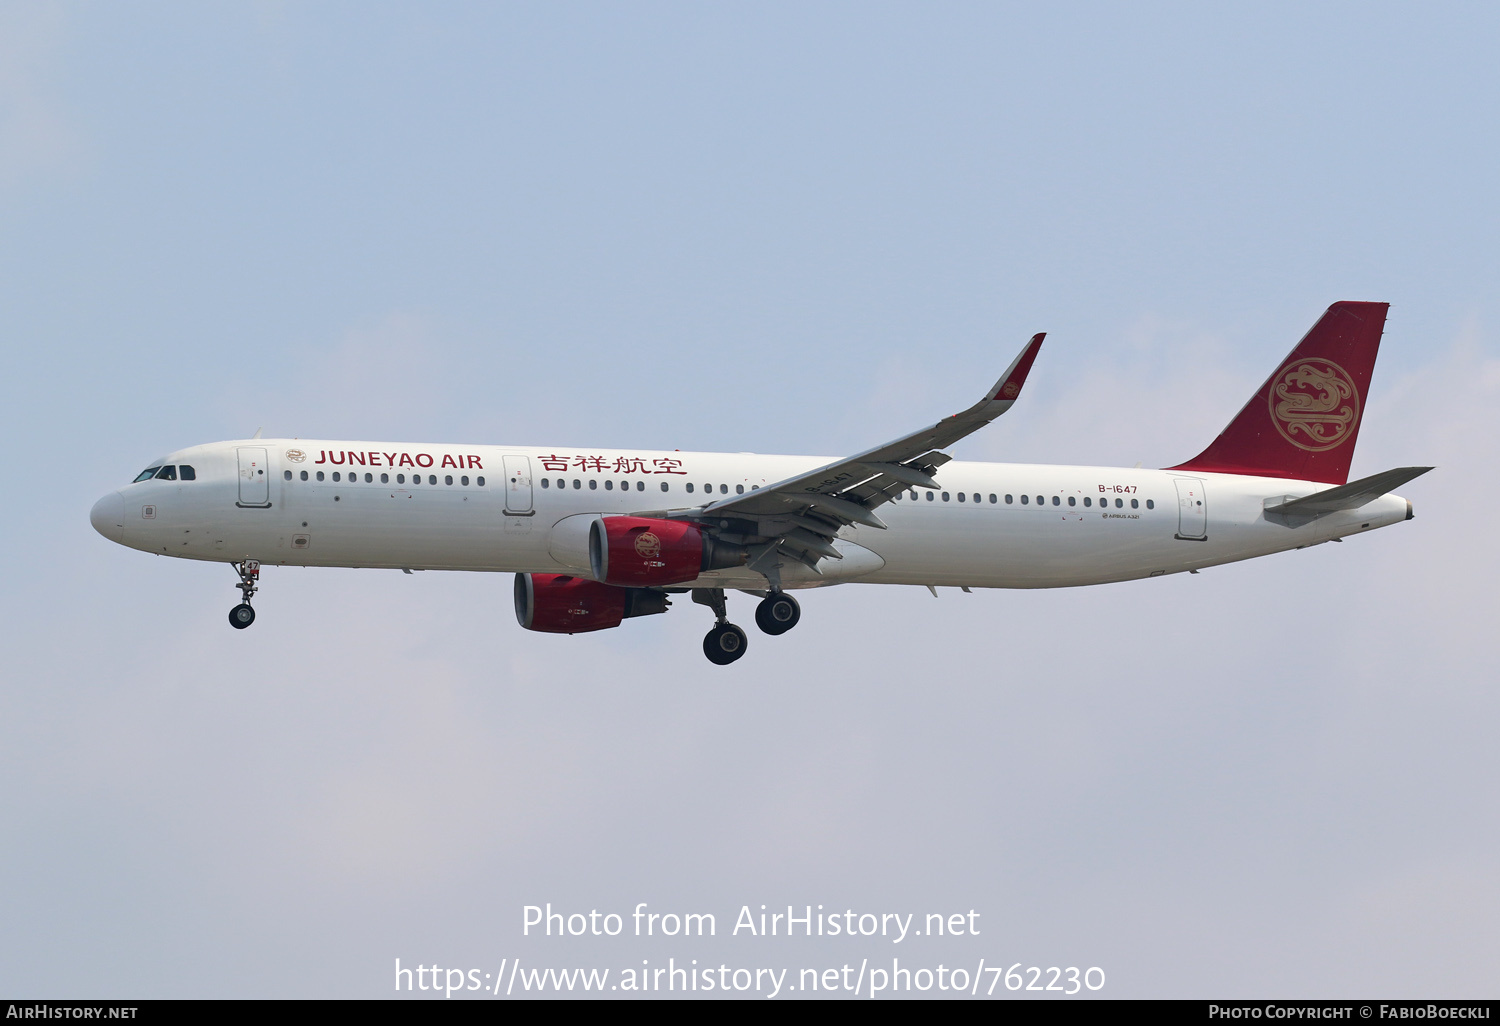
[1314, 404]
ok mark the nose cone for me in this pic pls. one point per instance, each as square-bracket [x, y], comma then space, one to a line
[108, 516]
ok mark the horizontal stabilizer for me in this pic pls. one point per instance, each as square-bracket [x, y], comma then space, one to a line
[1350, 496]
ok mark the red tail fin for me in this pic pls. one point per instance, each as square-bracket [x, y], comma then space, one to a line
[1303, 421]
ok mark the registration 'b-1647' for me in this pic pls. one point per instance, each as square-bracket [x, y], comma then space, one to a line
[598, 536]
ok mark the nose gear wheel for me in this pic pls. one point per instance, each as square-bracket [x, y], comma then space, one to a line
[242, 615]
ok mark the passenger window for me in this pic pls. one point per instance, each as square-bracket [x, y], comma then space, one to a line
[447, 479]
[609, 486]
[416, 479]
[465, 480]
[945, 496]
[1087, 501]
[384, 478]
[977, 498]
[962, 497]
[369, 479]
[401, 479]
[1056, 501]
[479, 481]
[640, 486]
[1150, 504]
[320, 475]
[723, 489]
[145, 475]
[1119, 504]
[336, 475]
[1041, 500]
[1072, 500]
[929, 496]
[286, 475]
[1135, 503]
[432, 479]
[577, 484]
[303, 475]
[689, 487]
[593, 484]
[992, 498]
[739, 489]
[167, 474]
[187, 473]
[1025, 500]
[663, 485]
[1007, 500]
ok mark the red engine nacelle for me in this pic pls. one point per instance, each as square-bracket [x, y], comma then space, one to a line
[559, 604]
[644, 551]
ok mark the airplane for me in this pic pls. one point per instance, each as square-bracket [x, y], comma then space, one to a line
[597, 536]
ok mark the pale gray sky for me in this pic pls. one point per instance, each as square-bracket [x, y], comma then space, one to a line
[781, 228]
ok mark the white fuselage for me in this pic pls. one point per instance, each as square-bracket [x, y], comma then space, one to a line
[508, 508]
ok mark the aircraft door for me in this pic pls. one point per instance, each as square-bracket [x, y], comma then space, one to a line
[1192, 509]
[255, 483]
[518, 486]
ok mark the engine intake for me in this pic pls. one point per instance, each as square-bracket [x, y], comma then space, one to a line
[645, 551]
[560, 604]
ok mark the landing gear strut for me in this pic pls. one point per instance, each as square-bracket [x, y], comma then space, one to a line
[243, 615]
[726, 642]
[777, 613]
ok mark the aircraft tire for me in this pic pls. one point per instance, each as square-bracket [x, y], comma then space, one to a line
[241, 616]
[724, 644]
[777, 613]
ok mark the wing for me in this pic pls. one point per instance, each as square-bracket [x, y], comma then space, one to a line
[800, 516]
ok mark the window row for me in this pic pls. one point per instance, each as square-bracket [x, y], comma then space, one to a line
[416, 479]
[609, 484]
[181, 472]
[640, 486]
[1041, 500]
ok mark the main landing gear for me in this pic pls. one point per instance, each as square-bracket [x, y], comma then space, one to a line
[726, 642]
[243, 615]
[777, 613]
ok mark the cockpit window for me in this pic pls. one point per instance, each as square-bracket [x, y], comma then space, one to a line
[167, 474]
[146, 474]
[187, 473]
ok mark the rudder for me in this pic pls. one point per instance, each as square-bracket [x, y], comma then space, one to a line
[1303, 422]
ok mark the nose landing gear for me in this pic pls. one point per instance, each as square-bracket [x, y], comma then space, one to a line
[726, 642]
[243, 615]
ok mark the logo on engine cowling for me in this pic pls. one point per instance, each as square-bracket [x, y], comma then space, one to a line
[1314, 404]
[647, 545]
